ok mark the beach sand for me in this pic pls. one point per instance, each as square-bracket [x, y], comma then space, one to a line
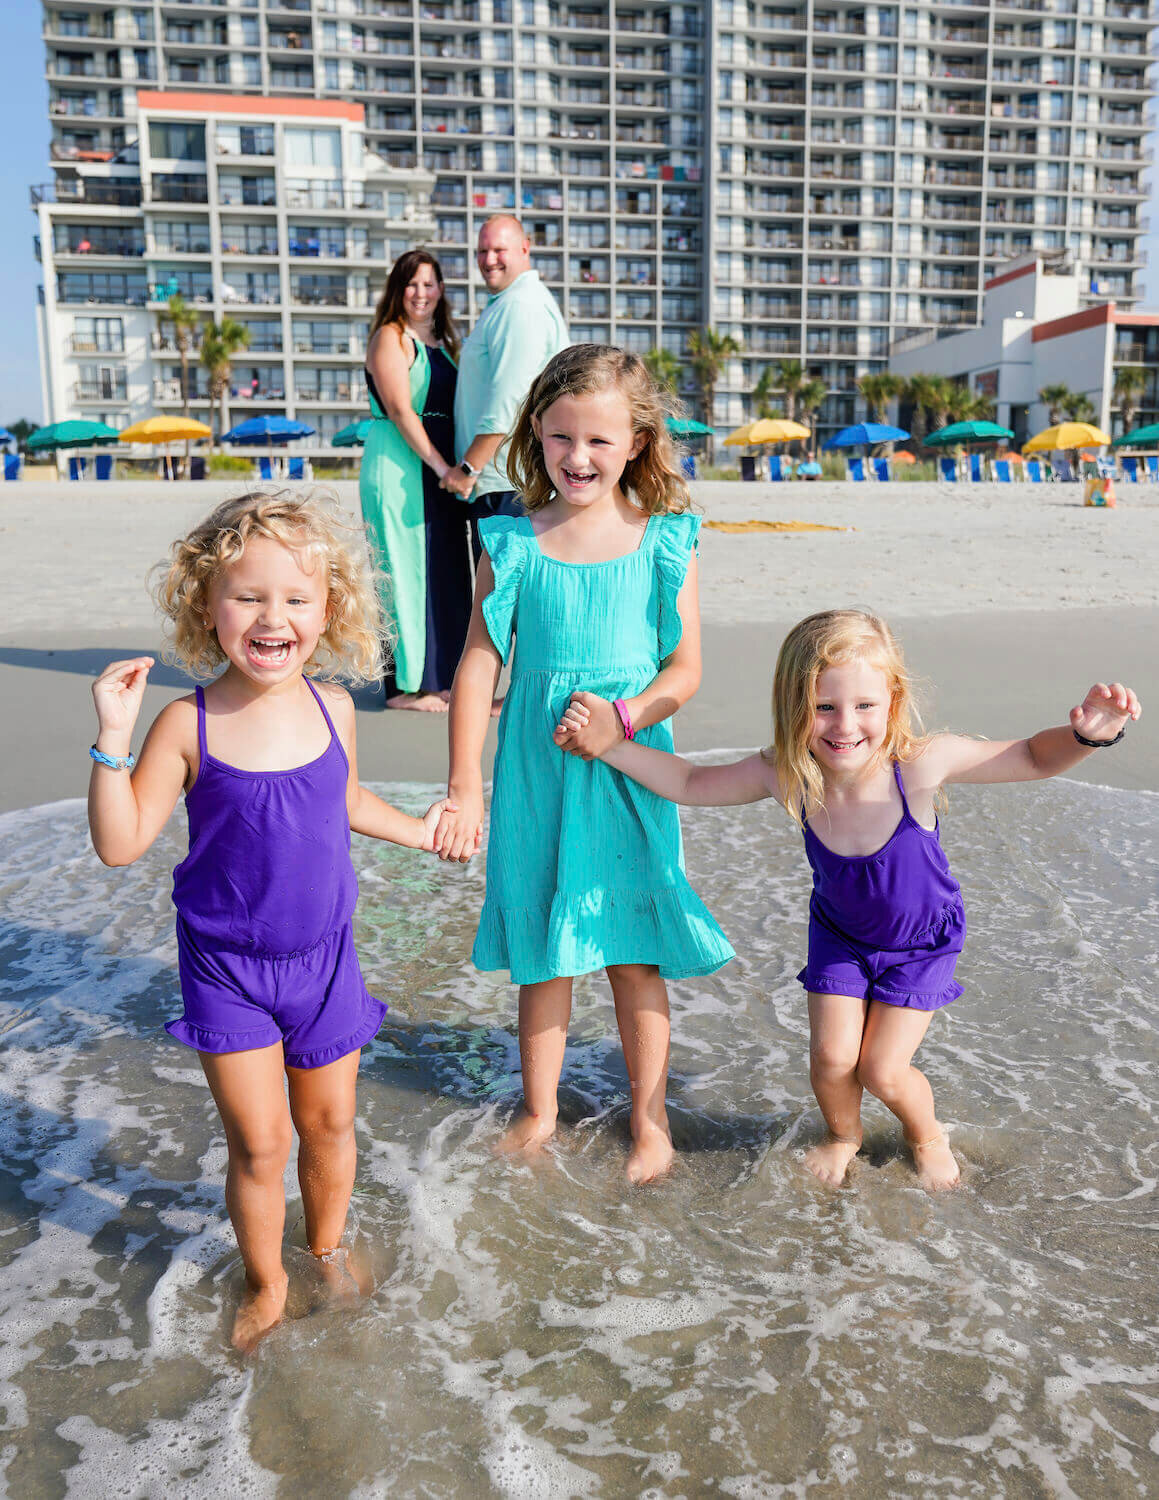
[1010, 601]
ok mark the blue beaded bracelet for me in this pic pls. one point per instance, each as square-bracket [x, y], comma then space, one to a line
[114, 762]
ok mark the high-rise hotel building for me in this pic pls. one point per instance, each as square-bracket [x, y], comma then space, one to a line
[819, 179]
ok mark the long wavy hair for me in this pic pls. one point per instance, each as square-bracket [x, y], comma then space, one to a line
[391, 308]
[832, 638]
[652, 480]
[310, 524]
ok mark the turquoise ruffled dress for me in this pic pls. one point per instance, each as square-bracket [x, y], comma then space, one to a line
[584, 867]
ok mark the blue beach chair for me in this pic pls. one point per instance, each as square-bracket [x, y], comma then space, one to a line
[104, 464]
[1130, 469]
[948, 470]
[1001, 467]
[1032, 468]
[76, 467]
[265, 467]
[296, 468]
[1152, 462]
[880, 469]
[12, 465]
[776, 468]
[975, 468]
[688, 466]
[856, 470]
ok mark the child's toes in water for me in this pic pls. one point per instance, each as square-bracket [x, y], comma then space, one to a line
[260, 1312]
[935, 1163]
[525, 1135]
[651, 1156]
[830, 1160]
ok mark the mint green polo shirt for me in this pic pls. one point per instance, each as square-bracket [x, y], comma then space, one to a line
[517, 333]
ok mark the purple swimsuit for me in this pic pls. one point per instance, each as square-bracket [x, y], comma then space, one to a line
[264, 904]
[888, 926]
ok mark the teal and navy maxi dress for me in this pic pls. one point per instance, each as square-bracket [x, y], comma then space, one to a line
[585, 868]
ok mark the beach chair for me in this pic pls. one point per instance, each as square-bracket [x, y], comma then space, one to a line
[776, 467]
[1152, 462]
[76, 467]
[688, 466]
[197, 466]
[1063, 470]
[1130, 469]
[265, 467]
[974, 461]
[296, 468]
[748, 466]
[880, 469]
[104, 465]
[1105, 468]
[12, 465]
[1001, 469]
[856, 470]
[948, 470]
[1032, 469]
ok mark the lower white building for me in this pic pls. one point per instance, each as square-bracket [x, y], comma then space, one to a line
[1036, 332]
[268, 211]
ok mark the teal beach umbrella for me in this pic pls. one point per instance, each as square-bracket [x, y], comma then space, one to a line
[1142, 437]
[353, 436]
[76, 434]
[968, 432]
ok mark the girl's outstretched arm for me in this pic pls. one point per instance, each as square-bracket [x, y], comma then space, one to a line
[369, 814]
[671, 776]
[672, 687]
[1104, 711]
[461, 825]
[126, 813]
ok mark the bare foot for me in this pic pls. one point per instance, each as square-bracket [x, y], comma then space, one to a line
[260, 1311]
[829, 1161]
[936, 1165]
[421, 703]
[345, 1272]
[651, 1156]
[525, 1135]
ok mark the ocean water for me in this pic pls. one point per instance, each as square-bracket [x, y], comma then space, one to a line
[547, 1331]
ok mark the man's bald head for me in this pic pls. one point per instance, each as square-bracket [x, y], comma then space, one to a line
[504, 251]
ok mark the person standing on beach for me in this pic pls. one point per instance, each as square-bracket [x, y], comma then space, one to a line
[886, 920]
[519, 330]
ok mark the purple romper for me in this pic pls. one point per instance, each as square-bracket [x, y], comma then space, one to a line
[887, 926]
[265, 897]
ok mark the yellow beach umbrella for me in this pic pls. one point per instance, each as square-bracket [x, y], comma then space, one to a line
[165, 430]
[1065, 435]
[767, 430]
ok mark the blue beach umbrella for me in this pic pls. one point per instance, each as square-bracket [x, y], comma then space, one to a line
[866, 433]
[267, 430]
[6, 436]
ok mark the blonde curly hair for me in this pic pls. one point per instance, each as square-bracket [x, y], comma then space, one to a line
[312, 523]
[833, 637]
[652, 480]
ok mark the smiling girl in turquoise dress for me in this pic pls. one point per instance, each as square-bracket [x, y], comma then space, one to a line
[585, 869]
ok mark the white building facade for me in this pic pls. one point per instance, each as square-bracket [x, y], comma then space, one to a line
[816, 178]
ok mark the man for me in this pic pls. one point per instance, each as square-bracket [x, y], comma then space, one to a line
[519, 330]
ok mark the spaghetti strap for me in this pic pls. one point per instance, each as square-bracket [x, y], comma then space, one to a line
[325, 715]
[901, 791]
[201, 746]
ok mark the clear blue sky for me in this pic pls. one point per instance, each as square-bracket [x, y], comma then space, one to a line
[24, 161]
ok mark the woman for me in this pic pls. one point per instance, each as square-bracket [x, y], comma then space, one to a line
[420, 530]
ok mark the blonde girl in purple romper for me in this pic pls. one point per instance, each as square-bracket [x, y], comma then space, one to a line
[280, 589]
[886, 922]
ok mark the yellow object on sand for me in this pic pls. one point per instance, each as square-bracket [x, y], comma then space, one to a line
[772, 526]
[1100, 492]
[766, 430]
[165, 430]
[1065, 435]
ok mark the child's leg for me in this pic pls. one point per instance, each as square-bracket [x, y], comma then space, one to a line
[544, 1011]
[893, 1034]
[322, 1103]
[642, 1015]
[836, 1024]
[249, 1091]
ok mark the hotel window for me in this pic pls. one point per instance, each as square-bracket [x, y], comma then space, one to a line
[313, 148]
[176, 142]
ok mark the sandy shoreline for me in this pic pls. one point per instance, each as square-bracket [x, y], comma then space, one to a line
[1010, 601]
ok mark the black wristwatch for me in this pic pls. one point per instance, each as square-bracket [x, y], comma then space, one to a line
[469, 471]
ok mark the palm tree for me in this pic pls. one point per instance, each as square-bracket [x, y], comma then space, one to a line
[810, 396]
[1078, 407]
[920, 391]
[762, 398]
[219, 343]
[664, 368]
[878, 391]
[1130, 383]
[709, 353]
[186, 323]
[1054, 398]
[790, 376]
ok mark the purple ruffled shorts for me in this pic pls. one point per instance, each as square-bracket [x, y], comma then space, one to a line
[314, 1002]
[920, 977]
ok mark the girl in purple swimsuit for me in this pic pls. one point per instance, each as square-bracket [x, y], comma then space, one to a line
[886, 922]
[275, 586]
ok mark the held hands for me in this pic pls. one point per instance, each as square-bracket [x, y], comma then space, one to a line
[459, 829]
[1104, 711]
[455, 482]
[118, 692]
[431, 820]
[589, 728]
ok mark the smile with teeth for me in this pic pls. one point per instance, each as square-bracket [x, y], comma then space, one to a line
[843, 744]
[573, 478]
[271, 652]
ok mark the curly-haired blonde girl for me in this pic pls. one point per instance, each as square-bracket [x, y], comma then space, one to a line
[312, 524]
[652, 479]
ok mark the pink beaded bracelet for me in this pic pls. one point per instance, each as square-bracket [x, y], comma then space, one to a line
[625, 718]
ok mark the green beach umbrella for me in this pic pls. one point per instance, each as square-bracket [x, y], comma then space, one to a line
[353, 436]
[686, 427]
[1142, 437]
[77, 434]
[968, 432]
